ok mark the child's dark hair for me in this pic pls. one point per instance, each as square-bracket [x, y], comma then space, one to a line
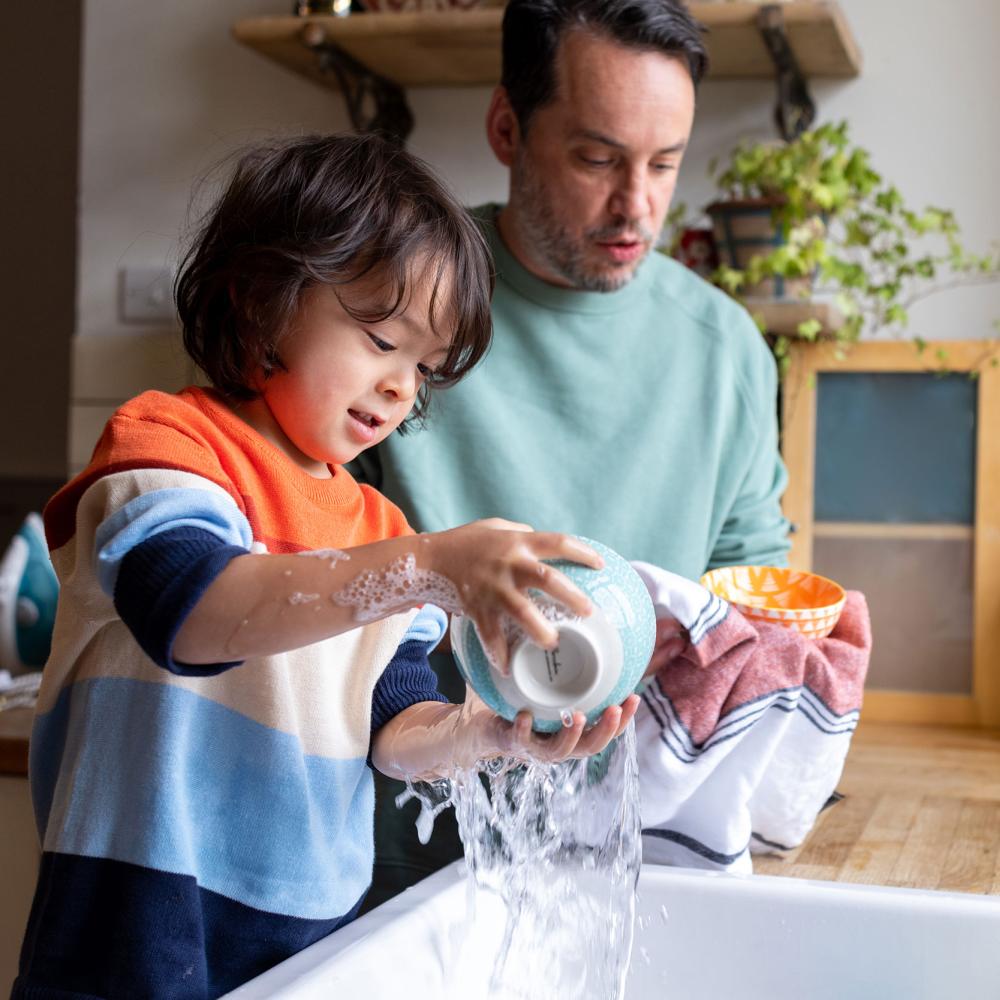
[328, 209]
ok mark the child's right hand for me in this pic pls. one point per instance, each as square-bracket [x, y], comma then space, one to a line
[493, 563]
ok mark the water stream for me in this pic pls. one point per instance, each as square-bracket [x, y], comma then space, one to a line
[558, 846]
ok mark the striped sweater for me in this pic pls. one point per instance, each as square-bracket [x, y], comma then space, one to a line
[200, 824]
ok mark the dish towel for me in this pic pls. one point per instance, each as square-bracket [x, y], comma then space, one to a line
[742, 737]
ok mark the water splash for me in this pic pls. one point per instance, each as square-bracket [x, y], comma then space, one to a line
[560, 846]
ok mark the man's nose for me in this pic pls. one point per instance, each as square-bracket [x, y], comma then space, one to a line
[630, 198]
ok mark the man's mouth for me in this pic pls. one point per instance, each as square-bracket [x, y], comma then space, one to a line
[623, 249]
[367, 418]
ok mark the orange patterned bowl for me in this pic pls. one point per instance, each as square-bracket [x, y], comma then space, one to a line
[808, 603]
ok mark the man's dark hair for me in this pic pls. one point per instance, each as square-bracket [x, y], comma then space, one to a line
[329, 210]
[533, 29]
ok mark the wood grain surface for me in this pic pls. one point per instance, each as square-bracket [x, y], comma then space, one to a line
[921, 810]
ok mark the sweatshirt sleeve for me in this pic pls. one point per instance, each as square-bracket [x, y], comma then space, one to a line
[409, 679]
[755, 532]
[157, 554]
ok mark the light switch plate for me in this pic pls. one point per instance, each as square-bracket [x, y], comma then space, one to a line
[147, 294]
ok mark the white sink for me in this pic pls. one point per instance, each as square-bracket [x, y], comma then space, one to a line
[720, 937]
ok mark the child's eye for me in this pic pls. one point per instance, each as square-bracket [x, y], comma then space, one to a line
[382, 345]
[426, 371]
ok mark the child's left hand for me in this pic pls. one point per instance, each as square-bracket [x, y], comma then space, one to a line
[429, 740]
[501, 738]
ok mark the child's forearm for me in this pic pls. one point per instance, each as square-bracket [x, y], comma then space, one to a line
[266, 604]
[424, 741]
[260, 605]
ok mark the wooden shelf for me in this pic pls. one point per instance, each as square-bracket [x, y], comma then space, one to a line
[462, 48]
[783, 318]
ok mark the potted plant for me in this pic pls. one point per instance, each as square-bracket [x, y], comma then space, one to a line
[812, 219]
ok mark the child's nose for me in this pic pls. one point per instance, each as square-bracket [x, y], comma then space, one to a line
[400, 383]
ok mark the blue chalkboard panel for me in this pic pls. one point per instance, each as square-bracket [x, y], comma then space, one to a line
[895, 447]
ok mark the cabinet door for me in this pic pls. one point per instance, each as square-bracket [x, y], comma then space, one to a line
[895, 491]
[18, 870]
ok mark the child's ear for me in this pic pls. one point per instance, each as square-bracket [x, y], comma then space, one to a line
[502, 129]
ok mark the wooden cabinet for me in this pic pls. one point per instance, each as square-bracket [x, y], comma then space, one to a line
[894, 490]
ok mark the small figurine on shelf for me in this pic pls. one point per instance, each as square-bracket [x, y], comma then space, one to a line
[412, 5]
[696, 249]
[339, 8]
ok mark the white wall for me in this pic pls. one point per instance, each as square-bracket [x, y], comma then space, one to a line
[167, 92]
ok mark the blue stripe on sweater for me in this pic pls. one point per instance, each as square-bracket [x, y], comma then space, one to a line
[427, 627]
[160, 510]
[160, 777]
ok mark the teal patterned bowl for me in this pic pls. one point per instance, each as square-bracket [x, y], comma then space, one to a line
[599, 661]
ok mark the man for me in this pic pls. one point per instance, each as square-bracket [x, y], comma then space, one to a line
[624, 398]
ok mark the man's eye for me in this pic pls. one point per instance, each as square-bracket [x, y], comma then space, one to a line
[382, 345]
[592, 162]
[662, 168]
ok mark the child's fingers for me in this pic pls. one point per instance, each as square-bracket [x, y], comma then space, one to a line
[500, 524]
[533, 623]
[603, 732]
[553, 545]
[557, 585]
[493, 641]
[629, 707]
[522, 729]
[549, 748]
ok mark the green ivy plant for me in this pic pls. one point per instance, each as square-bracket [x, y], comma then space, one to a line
[841, 222]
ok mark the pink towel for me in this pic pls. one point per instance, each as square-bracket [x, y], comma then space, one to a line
[742, 737]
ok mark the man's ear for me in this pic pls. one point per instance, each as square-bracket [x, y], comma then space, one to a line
[502, 130]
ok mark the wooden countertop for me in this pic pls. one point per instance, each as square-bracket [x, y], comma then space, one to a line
[921, 810]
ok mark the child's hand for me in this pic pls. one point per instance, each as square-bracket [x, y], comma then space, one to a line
[492, 563]
[517, 739]
[429, 740]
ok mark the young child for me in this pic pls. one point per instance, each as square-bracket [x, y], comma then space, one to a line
[213, 700]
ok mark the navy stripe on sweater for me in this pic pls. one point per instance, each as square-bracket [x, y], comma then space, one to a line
[407, 680]
[108, 929]
[159, 583]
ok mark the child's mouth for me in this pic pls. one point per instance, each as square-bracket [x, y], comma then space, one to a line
[366, 418]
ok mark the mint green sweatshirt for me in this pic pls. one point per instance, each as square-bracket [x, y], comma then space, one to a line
[644, 418]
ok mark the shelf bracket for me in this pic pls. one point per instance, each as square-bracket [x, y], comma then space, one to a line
[374, 102]
[795, 110]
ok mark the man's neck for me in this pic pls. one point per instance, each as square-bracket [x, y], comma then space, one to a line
[507, 227]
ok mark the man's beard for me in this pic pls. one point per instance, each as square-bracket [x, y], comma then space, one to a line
[560, 251]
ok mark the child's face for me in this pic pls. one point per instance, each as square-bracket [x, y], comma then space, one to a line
[348, 384]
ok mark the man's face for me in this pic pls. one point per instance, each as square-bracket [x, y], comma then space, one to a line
[592, 178]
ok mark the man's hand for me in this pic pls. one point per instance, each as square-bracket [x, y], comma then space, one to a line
[671, 640]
